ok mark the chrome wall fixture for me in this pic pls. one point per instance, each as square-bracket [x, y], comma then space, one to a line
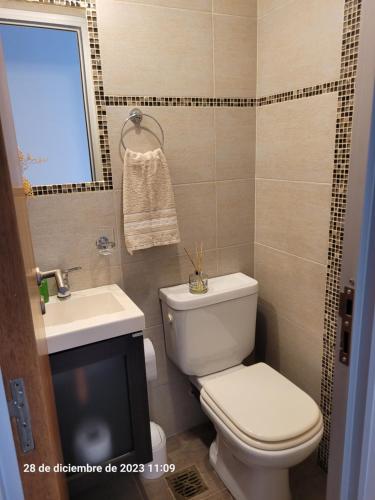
[136, 116]
[105, 246]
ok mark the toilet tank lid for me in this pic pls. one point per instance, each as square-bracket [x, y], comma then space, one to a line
[220, 289]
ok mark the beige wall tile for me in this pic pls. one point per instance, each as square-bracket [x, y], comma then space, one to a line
[105, 274]
[64, 248]
[235, 212]
[69, 210]
[174, 408]
[166, 370]
[196, 214]
[235, 50]
[299, 45]
[296, 139]
[266, 6]
[142, 280]
[149, 50]
[235, 143]
[189, 141]
[236, 7]
[204, 5]
[294, 217]
[292, 285]
[64, 230]
[236, 259]
[155, 334]
[294, 350]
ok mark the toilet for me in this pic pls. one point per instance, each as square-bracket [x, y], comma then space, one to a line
[265, 424]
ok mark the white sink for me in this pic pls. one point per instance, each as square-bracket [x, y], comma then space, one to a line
[89, 316]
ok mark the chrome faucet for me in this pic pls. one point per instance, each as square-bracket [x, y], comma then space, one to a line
[61, 277]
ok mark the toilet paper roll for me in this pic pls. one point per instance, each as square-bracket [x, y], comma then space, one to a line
[150, 360]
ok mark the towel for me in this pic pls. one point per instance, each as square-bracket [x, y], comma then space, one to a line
[150, 217]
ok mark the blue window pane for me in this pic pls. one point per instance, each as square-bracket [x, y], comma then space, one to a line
[44, 78]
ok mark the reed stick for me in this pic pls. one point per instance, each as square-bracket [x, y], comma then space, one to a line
[197, 261]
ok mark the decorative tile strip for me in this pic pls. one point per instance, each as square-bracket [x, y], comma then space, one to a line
[240, 102]
[344, 121]
[99, 95]
[324, 88]
[82, 187]
[291, 95]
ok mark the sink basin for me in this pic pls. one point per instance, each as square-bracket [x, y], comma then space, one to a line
[80, 308]
[90, 316]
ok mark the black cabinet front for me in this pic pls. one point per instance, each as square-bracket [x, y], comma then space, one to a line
[101, 399]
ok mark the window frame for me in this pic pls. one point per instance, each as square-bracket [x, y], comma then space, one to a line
[78, 25]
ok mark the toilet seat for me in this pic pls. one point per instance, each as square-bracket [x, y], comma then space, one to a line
[262, 408]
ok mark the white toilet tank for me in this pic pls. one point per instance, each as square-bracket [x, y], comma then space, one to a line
[210, 332]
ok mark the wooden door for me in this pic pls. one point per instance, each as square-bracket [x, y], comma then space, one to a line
[23, 351]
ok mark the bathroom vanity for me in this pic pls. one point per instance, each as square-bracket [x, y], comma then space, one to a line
[95, 345]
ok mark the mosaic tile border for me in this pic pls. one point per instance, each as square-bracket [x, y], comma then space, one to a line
[249, 102]
[336, 86]
[349, 58]
[239, 102]
[324, 88]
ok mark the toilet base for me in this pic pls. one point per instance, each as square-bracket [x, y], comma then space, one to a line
[248, 482]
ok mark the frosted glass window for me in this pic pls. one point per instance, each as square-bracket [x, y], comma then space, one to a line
[44, 74]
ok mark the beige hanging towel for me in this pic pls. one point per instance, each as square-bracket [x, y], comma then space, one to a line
[150, 218]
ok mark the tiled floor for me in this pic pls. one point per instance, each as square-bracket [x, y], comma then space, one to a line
[186, 449]
[308, 481]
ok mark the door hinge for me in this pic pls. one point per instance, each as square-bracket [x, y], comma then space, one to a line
[346, 313]
[19, 409]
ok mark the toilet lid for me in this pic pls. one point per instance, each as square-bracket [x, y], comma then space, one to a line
[262, 404]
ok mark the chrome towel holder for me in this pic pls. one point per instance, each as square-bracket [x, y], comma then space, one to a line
[136, 116]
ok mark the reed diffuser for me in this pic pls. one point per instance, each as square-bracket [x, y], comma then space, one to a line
[198, 281]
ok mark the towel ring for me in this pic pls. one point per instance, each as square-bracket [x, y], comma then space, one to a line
[136, 117]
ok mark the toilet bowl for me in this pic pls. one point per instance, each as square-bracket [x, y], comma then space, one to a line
[265, 424]
[253, 474]
[253, 455]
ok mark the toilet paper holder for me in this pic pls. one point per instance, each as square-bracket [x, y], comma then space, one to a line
[150, 360]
